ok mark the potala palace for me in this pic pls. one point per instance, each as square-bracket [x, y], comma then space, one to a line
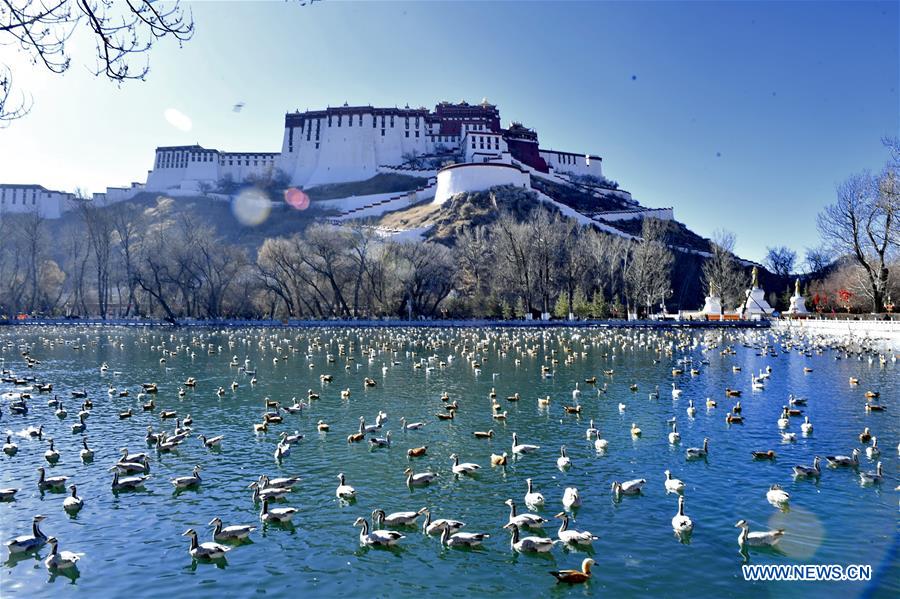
[455, 147]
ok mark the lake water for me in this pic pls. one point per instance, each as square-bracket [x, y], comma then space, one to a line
[132, 543]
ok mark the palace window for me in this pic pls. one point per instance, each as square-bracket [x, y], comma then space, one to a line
[392, 121]
[360, 120]
[349, 121]
[317, 145]
[329, 120]
[382, 133]
[417, 134]
[407, 134]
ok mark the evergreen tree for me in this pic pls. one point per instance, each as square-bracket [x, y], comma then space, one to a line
[520, 308]
[599, 307]
[561, 309]
[580, 305]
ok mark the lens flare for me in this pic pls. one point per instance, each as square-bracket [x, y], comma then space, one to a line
[178, 119]
[251, 207]
[296, 199]
[805, 532]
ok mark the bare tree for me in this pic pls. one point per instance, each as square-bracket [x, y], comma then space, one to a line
[817, 259]
[426, 273]
[780, 260]
[512, 247]
[721, 272]
[123, 34]
[99, 227]
[126, 224]
[649, 273]
[862, 223]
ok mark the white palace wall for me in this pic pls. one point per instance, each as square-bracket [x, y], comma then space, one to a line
[462, 178]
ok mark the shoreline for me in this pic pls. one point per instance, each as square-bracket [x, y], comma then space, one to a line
[392, 323]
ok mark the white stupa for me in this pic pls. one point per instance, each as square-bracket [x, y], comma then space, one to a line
[798, 302]
[712, 304]
[755, 305]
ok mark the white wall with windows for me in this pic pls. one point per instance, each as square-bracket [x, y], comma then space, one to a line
[19, 199]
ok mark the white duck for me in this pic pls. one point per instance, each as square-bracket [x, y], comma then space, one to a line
[379, 518]
[60, 560]
[691, 410]
[230, 533]
[872, 451]
[591, 431]
[767, 538]
[87, 454]
[10, 448]
[50, 482]
[673, 485]
[208, 550]
[31, 542]
[806, 428]
[73, 502]
[693, 453]
[676, 392]
[777, 496]
[563, 461]
[132, 482]
[533, 499]
[674, 436]
[571, 498]
[872, 478]
[418, 480]
[435, 527]
[574, 537]
[344, 491]
[520, 448]
[464, 468]
[411, 426]
[629, 487]
[803, 471]
[600, 444]
[528, 544]
[783, 421]
[276, 514]
[841, 460]
[523, 520]
[681, 523]
[183, 482]
[283, 482]
[461, 539]
[383, 538]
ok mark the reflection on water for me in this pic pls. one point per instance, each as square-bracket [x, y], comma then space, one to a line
[131, 540]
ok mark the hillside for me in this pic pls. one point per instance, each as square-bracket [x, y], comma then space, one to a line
[444, 223]
[380, 183]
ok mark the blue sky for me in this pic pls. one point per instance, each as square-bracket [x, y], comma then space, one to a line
[740, 115]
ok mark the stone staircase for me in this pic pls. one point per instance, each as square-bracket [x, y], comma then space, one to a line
[401, 199]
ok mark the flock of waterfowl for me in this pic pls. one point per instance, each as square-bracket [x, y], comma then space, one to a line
[308, 351]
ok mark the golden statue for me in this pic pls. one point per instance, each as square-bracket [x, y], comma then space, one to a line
[755, 283]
